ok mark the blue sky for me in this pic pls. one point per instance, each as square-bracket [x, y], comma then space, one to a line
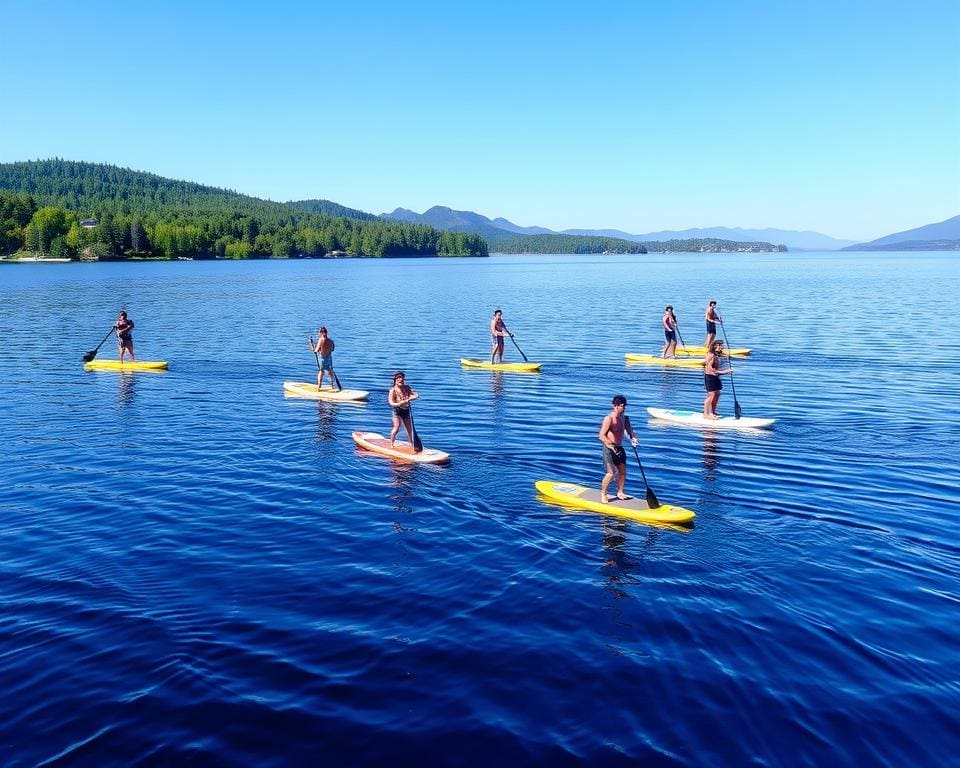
[838, 117]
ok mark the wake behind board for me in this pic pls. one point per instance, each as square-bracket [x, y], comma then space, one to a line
[695, 419]
[116, 365]
[468, 362]
[685, 362]
[305, 389]
[402, 450]
[633, 508]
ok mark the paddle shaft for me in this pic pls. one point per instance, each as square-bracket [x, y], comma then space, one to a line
[676, 324]
[652, 501]
[417, 443]
[737, 410]
[516, 345]
[93, 352]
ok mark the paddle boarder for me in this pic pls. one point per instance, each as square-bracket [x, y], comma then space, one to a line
[498, 331]
[711, 380]
[712, 318]
[124, 329]
[399, 398]
[614, 457]
[669, 322]
[324, 348]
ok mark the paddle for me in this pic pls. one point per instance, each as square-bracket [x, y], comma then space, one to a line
[652, 500]
[93, 352]
[317, 357]
[737, 410]
[676, 324]
[417, 444]
[516, 345]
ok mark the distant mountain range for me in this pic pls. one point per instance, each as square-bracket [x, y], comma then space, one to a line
[942, 236]
[499, 229]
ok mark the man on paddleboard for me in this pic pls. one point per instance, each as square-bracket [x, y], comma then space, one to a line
[399, 398]
[712, 318]
[324, 348]
[124, 329]
[614, 457]
[669, 323]
[498, 331]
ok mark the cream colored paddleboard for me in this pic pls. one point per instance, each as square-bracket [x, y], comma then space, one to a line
[401, 450]
[305, 389]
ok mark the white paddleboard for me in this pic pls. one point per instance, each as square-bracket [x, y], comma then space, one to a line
[695, 419]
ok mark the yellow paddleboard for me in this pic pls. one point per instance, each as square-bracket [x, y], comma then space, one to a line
[304, 389]
[685, 362]
[116, 365]
[732, 352]
[467, 362]
[401, 450]
[634, 508]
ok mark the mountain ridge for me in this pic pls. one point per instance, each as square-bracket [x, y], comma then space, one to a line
[449, 218]
[941, 235]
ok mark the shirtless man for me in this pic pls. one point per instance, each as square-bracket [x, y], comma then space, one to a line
[399, 397]
[712, 319]
[498, 331]
[124, 328]
[669, 323]
[614, 457]
[324, 347]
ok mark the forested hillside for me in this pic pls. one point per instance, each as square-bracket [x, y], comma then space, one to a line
[565, 244]
[44, 204]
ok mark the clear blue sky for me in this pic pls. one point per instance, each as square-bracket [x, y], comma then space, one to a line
[842, 117]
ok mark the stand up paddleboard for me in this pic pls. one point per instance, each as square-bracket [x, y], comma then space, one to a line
[735, 352]
[304, 389]
[634, 508]
[467, 362]
[116, 365]
[402, 450]
[695, 419]
[685, 362]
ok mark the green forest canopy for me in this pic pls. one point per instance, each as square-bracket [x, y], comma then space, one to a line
[43, 202]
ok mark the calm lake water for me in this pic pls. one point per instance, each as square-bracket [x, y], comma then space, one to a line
[195, 569]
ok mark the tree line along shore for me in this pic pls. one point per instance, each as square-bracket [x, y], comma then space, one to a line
[75, 210]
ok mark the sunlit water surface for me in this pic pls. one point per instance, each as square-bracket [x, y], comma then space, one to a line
[195, 569]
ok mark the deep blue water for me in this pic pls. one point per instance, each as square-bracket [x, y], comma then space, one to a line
[195, 569]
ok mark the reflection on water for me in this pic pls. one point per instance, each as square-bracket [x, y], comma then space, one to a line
[711, 455]
[326, 421]
[127, 388]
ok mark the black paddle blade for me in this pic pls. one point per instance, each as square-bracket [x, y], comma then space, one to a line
[737, 410]
[89, 355]
[652, 501]
[417, 443]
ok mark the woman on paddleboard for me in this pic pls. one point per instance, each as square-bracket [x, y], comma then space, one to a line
[711, 379]
[669, 323]
[124, 329]
[399, 398]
